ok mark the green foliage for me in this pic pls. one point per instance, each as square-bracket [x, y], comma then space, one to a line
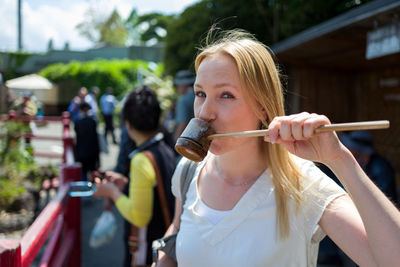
[17, 165]
[269, 20]
[185, 34]
[154, 26]
[12, 150]
[121, 75]
[163, 87]
[14, 161]
[11, 61]
[113, 31]
[9, 191]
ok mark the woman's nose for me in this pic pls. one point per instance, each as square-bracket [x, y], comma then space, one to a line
[207, 111]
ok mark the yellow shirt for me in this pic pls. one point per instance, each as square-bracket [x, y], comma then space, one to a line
[138, 207]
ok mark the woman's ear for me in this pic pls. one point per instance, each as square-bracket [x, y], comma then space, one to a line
[128, 125]
[265, 115]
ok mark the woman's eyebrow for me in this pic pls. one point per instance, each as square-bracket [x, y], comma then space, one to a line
[197, 85]
[218, 85]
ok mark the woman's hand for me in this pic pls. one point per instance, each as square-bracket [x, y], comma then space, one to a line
[111, 187]
[104, 188]
[118, 179]
[297, 134]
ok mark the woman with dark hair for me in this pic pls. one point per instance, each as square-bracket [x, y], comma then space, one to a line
[139, 204]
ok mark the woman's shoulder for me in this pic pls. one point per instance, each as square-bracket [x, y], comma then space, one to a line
[140, 162]
[184, 168]
[314, 180]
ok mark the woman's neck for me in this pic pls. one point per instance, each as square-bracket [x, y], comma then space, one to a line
[240, 166]
[141, 137]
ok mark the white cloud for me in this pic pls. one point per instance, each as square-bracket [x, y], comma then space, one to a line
[45, 20]
[50, 22]
[8, 18]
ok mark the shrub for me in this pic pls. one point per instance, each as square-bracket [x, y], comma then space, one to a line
[121, 75]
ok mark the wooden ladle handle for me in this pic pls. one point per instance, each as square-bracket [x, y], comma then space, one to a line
[349, 126]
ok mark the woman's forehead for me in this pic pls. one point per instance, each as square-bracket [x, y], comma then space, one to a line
[217, 65]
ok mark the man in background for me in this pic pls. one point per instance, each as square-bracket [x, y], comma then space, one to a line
[184, 81]
[91, 98]
[107, 106]
[73, 107]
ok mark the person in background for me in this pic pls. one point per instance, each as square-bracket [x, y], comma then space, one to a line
[26, 106]
[91, 98]
[107, 106]
[183, 81]
[73, 107]
[87, 142]
[141, 206]
[10, 99]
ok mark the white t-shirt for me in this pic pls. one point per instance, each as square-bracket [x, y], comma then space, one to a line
[247, 235]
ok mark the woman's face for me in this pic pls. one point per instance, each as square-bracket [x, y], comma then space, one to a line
[219, 100]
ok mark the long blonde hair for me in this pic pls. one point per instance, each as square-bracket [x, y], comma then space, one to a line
[259, 78]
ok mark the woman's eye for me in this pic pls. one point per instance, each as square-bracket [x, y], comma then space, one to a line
[200, 94]
[227, 95]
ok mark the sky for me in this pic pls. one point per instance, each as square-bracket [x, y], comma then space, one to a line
[56, 19]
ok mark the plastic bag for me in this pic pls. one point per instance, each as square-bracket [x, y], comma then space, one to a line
[103, 144]
[104, 230]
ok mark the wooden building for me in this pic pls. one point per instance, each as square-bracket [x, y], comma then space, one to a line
[348, 68]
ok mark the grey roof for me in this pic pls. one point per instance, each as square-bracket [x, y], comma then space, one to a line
[355, 15]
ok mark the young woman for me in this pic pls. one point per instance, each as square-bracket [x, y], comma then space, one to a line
[139, 204]
[256, 202]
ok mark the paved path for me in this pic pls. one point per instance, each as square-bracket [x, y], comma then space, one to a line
[112, 253]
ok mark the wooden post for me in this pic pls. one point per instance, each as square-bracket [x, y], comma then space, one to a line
[66, 119]
[12, 114]
[67, 139]
[72, 214]
[10, 253]
[3, 96]
[68, 154]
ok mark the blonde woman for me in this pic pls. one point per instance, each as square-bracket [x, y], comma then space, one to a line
[256, 202]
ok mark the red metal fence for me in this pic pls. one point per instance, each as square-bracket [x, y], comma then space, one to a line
[60, 220]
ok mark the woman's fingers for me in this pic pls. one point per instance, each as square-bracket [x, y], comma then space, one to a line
[313, 123]
[273, 130]
[294, 127]
[297, 124]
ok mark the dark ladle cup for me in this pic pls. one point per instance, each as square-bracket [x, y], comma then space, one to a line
[194, 142]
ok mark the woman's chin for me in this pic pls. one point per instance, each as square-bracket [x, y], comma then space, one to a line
[215, 149]
[219, 148]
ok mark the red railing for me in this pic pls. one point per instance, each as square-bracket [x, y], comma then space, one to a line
[59, 222]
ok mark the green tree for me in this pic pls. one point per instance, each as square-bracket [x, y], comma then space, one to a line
[113, 31]
[131, 26]
[154, 26]
[90, 27]
[116, 31]
[269, 20]
[184, 34]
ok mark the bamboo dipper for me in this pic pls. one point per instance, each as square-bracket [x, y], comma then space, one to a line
[196, 138]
